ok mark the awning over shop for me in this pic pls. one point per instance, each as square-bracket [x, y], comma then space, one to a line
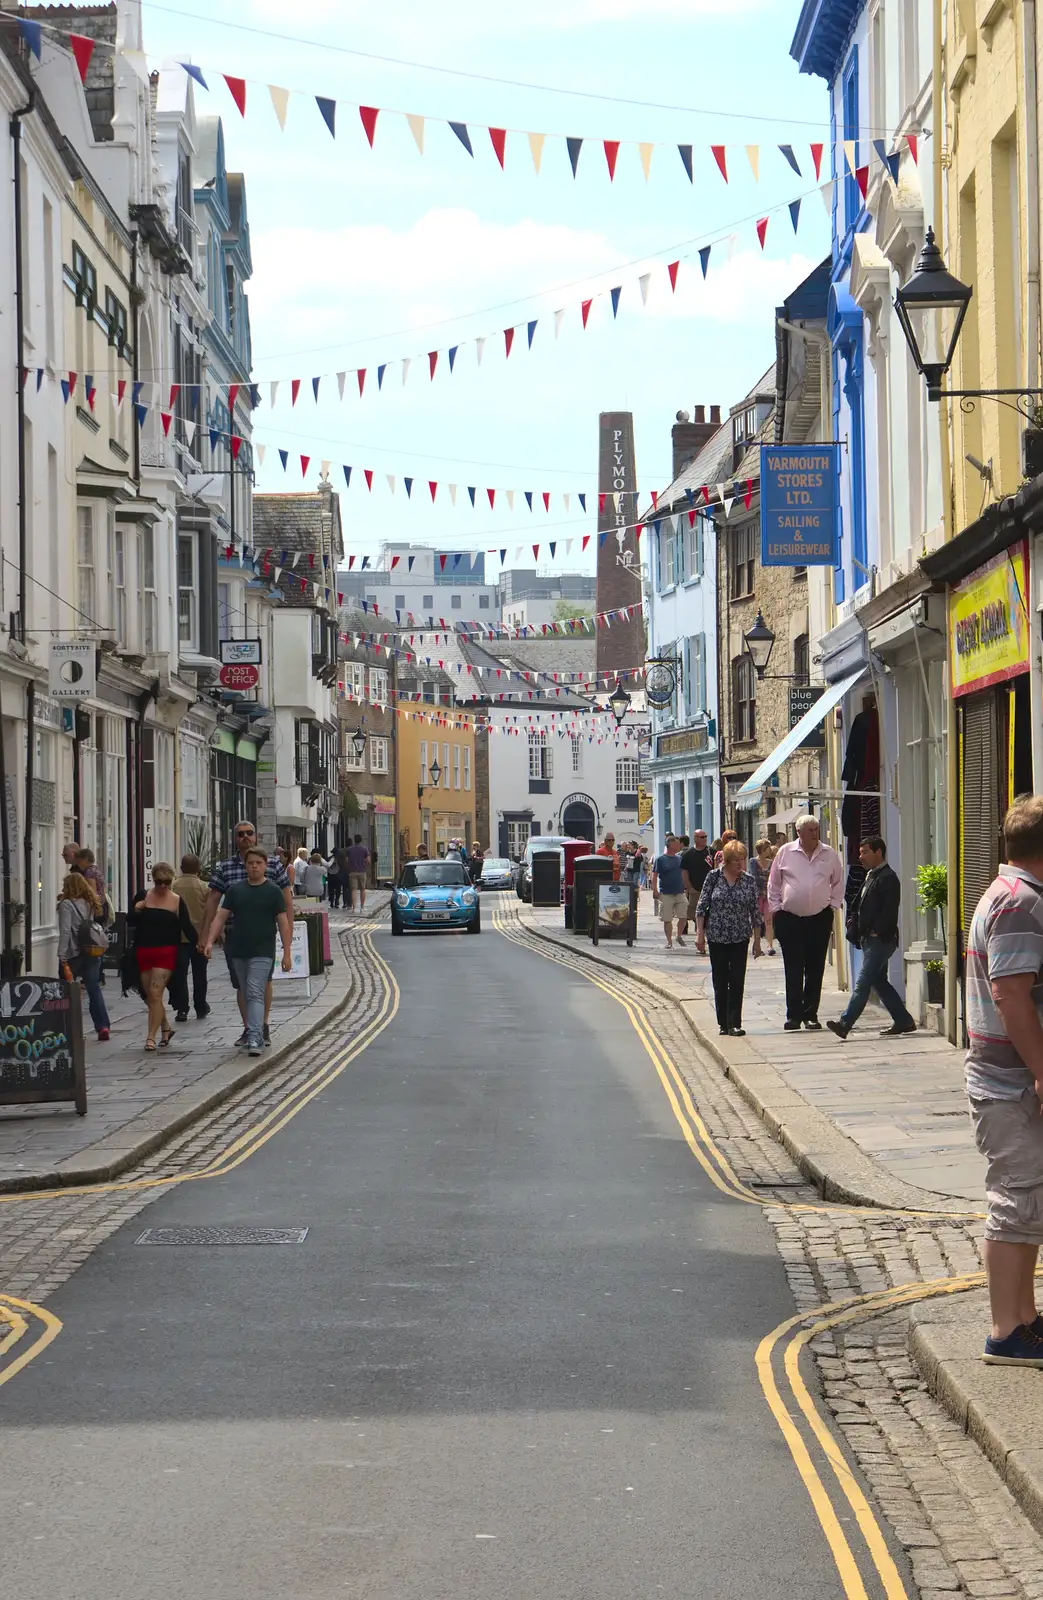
[750, 794]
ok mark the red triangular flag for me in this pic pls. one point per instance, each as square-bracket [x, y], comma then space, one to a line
[508, 339]
[499, 139]
[585, 309]
[748, 496]
[655, 499]
[369, 115]
[441, 562]
[719, 157]
[432, 360]
[492, 496]
[433, 486]
[611, 152]
[601, 504]
[706, 495]
[237, 89]
[395, 561]
[166, 417]
[304, 465]
[691, 518]
[233, 395]
[361, 376]
[912, 140]
[862, 179]
[82, 49]
[546, 500]
[367, 473]
[586, 541]
[175, 390]
[672, 269]
[762, 228]
[235, 444]
[72, 382]
[536, 552]
[295, 389]
[121, 389]
[816, 156]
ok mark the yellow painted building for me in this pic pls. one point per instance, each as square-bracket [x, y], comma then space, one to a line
[435, 742]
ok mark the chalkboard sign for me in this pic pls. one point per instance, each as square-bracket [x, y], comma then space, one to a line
[41, 1043]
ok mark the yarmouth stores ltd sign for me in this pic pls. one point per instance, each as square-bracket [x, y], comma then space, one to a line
[800, 505]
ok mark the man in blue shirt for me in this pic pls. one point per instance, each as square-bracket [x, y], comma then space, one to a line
[668, 886]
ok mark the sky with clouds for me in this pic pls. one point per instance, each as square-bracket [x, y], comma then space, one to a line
[366, 256]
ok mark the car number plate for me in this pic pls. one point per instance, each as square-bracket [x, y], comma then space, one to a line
[434, 916]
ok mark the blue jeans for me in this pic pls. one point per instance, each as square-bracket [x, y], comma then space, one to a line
[876, 953]
[253, 973]
[89, 969]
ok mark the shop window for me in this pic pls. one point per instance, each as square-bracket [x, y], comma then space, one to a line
[187, 591]
[378, 755]
[801, 659]
[743, 559]
[378, 686]
[626, 775]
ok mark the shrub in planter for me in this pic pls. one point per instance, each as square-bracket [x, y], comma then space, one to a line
[935, 971]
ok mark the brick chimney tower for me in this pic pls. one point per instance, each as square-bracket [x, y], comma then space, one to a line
[688, 437]
[620, 645]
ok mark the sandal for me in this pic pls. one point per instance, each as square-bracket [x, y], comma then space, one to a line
[168, 1034]
[150, 1043]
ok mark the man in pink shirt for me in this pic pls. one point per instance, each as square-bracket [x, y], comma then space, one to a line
[805, 887]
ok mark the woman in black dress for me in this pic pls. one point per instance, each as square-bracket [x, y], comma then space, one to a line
[159, 918]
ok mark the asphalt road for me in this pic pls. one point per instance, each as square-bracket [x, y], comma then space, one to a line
[513, 1357]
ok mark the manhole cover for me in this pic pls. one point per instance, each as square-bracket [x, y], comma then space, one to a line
[222, 1236]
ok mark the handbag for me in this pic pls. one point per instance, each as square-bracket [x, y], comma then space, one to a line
[91, 937]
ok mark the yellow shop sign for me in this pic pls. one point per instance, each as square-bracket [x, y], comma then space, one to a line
[988, 623]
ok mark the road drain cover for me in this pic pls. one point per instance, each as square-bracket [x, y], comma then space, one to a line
[220, 1236]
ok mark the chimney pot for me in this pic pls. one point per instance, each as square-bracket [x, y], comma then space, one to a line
[700, 413]
[715, 415]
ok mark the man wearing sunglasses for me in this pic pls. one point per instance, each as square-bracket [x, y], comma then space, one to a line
[224, 875]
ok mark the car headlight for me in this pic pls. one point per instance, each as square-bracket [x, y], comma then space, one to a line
[468, 897]
[402, 898]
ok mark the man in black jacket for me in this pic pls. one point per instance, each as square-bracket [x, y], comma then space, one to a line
[873, 927]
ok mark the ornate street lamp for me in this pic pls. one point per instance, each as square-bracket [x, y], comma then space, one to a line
[619, 703]
[759, 642]
[436, 772]
[919, 303]
[358, 744]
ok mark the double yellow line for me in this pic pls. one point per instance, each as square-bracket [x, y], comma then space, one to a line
[797, 1331]
[20, 1318]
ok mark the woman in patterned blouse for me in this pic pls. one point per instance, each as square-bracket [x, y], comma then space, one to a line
[726, 916]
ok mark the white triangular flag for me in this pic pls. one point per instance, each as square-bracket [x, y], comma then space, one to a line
[753, 155]
[679, 524]
[727, 503]
[642, 284]
[274, 387]
[391, 481]
[850, 156]
[510, 499]
[407, 362]
[720, 492]
[566, 499]
[536, 146]
[481, 349]
[416, 128]
[732, 241]
[280, 101]
[452, 493]
[826, 191]
[645, 152]
[616, 497]
[340, 383]
[568, 546]
[325, 471]
[261, 448]
[558, 316]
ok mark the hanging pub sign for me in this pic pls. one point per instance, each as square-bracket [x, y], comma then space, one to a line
[800, 505]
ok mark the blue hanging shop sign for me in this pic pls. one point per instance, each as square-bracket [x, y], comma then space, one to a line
[800, 505]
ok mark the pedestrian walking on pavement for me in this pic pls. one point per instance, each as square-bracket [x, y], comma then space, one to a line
[696, 862]
[1004, 1077]
[310, 880]
[763, 856]
[82, 942]
[726, 838]
[668, 890]
[224, 875]
[358, 861]
[873, 929]
[258, 907]
[190, 888]
[607, 847]
[805, 887]
[159, 917]
[86, 865]
[726, 918]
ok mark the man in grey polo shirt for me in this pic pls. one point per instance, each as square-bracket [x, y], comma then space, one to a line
[1005, 1081]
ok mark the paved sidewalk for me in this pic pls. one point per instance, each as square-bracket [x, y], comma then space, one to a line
[137, 1098]
[899, 1102]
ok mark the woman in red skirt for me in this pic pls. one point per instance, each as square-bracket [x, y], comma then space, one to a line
[159, 918]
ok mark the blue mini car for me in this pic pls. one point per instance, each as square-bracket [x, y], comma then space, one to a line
[435, 895]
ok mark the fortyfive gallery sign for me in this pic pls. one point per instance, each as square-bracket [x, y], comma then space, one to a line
[800, 505]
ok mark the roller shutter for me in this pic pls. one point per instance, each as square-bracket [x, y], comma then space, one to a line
[979, 807]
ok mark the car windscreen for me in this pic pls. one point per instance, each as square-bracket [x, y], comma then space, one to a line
[497, 866]
[441, 874]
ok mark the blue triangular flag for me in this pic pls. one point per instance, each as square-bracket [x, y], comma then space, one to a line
[685, 152]
[329, 112]
[347, 477]
[460, 129]
[892, 164]
[409, 487]
[601, 539]
[452, 355]
[691, 496]
[32, 33]
[284, 456]
[136, 393]
[575, 146]
[503, 556]
[528, 498]
[532, 330]
[215, 434]
[365, 562]
[255, 394]
[583, 502]
[615, 293]
[656, 523]
[704, 258]
[65, 390]
[471, 492]
[880, 146]
[39, 378]
[552, 547]
[787, 151]
[794, 213]
[456, 562]
[380, 374]
[315, 386]
[141, 412]
[193, 72]
[411, 560]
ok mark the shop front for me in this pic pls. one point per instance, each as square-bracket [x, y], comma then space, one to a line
[382, 841]
[234, 774]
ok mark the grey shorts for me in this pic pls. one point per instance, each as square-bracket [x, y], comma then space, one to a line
[1009, 1134]
[673, 907]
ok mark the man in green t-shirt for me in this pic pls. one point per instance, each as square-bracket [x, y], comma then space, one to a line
[258, 907]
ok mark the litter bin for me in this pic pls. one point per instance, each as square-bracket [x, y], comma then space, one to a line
[313, 923]
[546, 878]
[588, 872]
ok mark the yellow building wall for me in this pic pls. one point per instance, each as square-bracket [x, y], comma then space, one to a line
[985, 244]
[448, 811]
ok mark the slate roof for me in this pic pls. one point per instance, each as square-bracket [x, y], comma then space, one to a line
[713, 464]
[295, 522]
[94, 22]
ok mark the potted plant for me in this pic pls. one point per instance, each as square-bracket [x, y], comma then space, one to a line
[935, 971]
[932, 891]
